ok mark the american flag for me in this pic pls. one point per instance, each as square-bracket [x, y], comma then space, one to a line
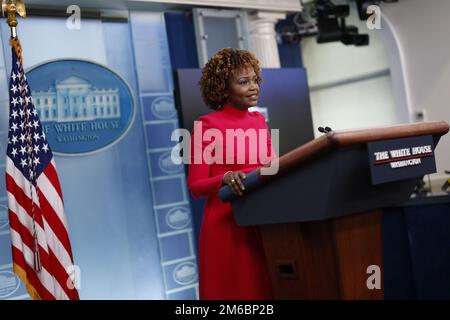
[41, 251]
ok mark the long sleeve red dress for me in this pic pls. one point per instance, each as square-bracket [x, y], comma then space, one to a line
[231, 257]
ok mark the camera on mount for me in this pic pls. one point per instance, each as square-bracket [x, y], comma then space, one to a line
[328, 23]
[332, 27]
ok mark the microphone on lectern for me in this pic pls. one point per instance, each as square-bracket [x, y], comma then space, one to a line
[324, 130]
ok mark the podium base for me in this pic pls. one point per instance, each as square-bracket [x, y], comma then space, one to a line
[340, 258]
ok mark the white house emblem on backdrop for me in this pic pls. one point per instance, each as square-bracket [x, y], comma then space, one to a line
[166, 164]
[185, 273]
[83, 106]
[178, 218]
[75, 99]
[9, 284]
[163, 108]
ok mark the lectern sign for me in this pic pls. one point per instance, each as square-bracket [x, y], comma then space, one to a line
[398, 159]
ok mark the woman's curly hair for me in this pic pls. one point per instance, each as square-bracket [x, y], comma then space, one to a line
[218, 70]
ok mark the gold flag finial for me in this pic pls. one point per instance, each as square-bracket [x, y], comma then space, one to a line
[9, 9]
[12, 7]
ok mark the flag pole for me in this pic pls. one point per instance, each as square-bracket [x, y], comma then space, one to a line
[44, 275]
[11, 8]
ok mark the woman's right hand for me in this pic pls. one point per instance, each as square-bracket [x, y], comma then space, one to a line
[234, 180]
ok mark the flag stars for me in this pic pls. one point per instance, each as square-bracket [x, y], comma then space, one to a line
[36, 136]
[26, 139]
[23, 88]
[23, 150]
[23, 163]
[15, 102]
[14, 139]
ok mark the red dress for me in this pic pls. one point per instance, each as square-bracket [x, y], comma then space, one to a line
[231, 258]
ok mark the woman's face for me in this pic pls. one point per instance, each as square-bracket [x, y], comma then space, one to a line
[243, 89]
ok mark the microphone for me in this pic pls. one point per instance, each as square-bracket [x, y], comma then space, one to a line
[324, 130]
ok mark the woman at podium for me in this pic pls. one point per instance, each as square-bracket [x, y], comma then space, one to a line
[223, 149]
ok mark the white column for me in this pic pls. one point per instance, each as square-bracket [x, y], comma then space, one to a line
[263, 39]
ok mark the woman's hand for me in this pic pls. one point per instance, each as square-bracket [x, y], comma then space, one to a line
[234, 180]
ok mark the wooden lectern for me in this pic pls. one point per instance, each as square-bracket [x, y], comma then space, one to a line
[320, 218]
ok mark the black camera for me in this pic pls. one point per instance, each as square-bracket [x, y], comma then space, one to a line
[331, 24]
